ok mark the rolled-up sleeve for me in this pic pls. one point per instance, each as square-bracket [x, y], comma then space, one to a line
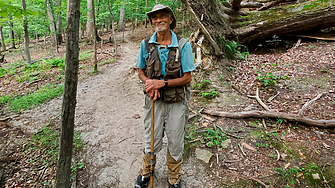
[142, 56]
[187, 61]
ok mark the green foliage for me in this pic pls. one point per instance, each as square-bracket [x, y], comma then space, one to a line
[232, 49]
[108, 61]
[47, 139]
[56, 62]
[209, 95]
[203, 85]
[32, 100]
[289, 175]
[86, 55]
[214, 137]
[268, 79]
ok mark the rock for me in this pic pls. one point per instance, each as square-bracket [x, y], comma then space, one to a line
[203, 155]
[226, 143]
[316, 176]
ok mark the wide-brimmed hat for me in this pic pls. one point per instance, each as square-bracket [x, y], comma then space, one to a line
[160, 7]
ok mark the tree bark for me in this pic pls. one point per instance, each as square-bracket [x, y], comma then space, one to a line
[59, 22]
[11, 33]
[89, 25]
[52, 23]
[3, 45]
[94, 40]
[63, 172]
[274, 115]
[112, 20]
[120, 26]
[26, 34]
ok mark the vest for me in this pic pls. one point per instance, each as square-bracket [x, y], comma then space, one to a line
[173, 69]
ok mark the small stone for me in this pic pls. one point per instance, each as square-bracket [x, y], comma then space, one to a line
[203, 155]
[226, 143]
[316, 176]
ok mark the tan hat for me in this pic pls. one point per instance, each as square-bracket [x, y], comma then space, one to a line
[159, 7]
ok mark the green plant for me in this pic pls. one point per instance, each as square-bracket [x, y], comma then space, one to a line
[203, 85]
[232, 49]
[42, 95]
[267, 79]
[209, 95]
[289, 175]
[214, 137]
[84, 56]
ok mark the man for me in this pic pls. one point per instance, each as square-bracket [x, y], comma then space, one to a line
[166, 72]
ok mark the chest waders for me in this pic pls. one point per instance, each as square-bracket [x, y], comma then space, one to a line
[170, 95]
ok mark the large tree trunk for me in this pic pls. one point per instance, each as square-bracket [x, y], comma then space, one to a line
[3, 45]
[26, 34]
[229, 22]
[11, 33]
[112, 20]
[59, 22]
[121, 24]
[63, 173]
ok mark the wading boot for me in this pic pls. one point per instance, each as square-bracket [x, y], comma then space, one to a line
[141, 181]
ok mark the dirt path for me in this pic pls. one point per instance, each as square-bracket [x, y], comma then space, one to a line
[108, 106]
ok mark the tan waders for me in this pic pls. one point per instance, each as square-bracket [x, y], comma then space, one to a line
[173, 166]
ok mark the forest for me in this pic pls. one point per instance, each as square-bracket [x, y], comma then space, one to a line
[262, 112]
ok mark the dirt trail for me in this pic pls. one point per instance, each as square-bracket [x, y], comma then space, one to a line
[107, 105]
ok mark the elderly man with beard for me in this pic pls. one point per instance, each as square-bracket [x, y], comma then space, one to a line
[165, 63]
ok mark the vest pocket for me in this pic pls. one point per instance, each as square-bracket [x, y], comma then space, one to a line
[173, 94]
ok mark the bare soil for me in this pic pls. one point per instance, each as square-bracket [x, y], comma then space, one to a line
[109, 116]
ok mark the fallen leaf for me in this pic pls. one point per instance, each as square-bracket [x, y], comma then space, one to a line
[248, 146]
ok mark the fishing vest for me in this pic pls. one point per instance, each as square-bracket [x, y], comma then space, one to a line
[173, 69]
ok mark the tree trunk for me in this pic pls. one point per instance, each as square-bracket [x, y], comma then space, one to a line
[146, 7]
[3, 45]
[26, 34]
[120, 26]
[52, 23]
[112, 20]
[63, 172]
[94, 40]
[59, 22]
[89, 25]
[11, 33]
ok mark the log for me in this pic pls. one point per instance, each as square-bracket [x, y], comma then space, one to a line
[303, 21]
[245, 4]
[274, 115]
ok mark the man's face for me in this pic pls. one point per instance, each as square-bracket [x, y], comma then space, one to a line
[161, 21]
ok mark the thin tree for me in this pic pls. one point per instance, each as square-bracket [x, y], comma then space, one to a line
[11, 33]
[89, 24]
[59, 22]
[69, 96]
[120, 26]
[26, 33]
[2, 40]
[52, 24]
[94, 38]
[112, 18]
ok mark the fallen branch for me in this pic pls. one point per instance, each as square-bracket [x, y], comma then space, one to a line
[8, 159]
[241, 149]
[259, 100]
[278, 155]
[308, 103]
[274, 115]
[258, 181]
[238, 137]
[269, 5]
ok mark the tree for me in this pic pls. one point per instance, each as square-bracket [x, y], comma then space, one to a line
[69, 96]
[217, 19]
[120, 25]
[112, 20]
[26, 34]
[90, 24]
[11, 33]
[3, 45]
[59, 22]
[52, 23]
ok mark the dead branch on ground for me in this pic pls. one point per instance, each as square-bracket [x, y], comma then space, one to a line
[259, 100]
[274, 115]
[259, 181]
[308, 103]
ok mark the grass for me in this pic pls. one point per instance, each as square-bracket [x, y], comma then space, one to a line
[25, 102]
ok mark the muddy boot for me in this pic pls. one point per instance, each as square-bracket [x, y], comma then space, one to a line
[174, 170]
[144, 178]
[141, 181]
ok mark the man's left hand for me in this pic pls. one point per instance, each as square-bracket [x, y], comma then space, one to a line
[153, 85]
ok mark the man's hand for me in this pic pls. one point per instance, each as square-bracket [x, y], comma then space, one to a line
[154, 94]
[153, 85]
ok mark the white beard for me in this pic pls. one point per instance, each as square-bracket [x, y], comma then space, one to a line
[158, 29]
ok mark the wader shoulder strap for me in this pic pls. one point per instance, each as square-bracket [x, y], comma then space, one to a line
[181, 43]
[149, 47]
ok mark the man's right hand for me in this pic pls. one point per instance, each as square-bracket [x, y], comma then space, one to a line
[154, 94]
